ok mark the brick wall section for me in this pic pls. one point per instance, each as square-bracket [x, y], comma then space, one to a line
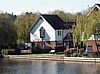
[51, 44]
[93, 44]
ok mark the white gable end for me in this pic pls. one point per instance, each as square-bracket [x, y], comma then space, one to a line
[97, 7]
[35, 31]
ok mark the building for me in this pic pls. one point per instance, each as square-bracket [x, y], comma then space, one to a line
[54, 32]
[94, 41]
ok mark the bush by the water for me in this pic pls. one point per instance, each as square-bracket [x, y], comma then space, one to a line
[46, 49]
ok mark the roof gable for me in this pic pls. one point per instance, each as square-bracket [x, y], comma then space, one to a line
[98, 4]
[34, 24]
[55, 21]
[96, 7]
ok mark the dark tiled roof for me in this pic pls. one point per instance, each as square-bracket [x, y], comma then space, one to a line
[55, 21]
[98, 4]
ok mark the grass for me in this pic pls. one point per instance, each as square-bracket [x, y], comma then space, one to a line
[47, 54]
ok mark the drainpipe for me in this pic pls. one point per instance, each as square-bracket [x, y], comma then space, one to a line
[62, 37]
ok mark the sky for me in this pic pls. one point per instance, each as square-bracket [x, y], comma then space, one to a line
[44, 6]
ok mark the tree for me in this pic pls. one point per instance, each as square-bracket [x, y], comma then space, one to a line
[87, 26]
[7, 31]
[96, 28]
[78, 31]
[64, 16]
[23, 23]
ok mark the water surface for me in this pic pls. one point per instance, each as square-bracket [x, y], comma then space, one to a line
[8, 66]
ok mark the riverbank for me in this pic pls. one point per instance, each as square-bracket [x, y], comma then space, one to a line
[52, 57]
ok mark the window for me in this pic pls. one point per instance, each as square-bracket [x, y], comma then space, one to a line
[59, 33]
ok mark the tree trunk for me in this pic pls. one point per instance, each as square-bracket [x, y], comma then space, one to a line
[96, 44]
[0, 51]
[77, 49]
[1, 54]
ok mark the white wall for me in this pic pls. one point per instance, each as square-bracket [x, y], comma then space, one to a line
[63, 34]
[35, 32]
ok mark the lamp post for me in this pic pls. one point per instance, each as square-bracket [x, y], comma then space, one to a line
[42, 36]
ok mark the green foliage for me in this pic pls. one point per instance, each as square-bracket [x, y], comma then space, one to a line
[7, 30]
[15, 28]
[78, 31]
[22, 24]
[93, 23]
[86, 26]
[65, 16]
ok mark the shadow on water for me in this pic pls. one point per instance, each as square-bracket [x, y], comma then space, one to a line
[8, 66]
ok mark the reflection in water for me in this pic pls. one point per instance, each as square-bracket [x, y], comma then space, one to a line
[47, 67]
[42, 67]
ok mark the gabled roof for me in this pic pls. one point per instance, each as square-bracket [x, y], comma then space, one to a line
[55, 21]
[98, 5]
[95, 7]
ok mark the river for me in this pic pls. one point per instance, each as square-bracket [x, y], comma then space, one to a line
[8, 66]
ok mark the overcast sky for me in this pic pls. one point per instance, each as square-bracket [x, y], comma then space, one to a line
[43, 6]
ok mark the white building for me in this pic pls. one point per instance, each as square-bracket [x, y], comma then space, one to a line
[55, 30]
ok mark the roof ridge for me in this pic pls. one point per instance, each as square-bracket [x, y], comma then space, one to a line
[97, 4]
[54, 20]
[50, 14]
